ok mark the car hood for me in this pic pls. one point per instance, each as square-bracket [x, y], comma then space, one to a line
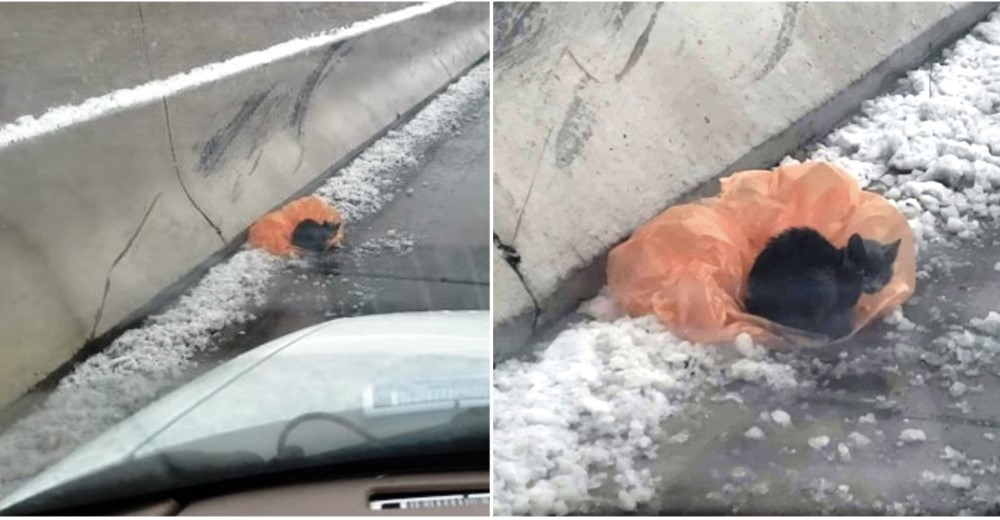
[336, 365]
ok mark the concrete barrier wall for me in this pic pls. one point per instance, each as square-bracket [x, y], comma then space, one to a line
[98, 219]
[605, 114]
[122, 44]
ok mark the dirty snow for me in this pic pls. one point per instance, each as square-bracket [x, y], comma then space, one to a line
[860, 440]
[398, 242]
[819, 442]
[781, 418]
[843, 452]
[931, 147]
[960, 481]
[912, 435]
[27, 127]
[145, 362]
[589, 413]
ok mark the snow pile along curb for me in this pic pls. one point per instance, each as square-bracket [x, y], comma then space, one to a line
[933, 146]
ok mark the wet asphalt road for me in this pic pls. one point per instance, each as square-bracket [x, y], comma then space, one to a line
[428, 249]
[881, 382]
[719, 471]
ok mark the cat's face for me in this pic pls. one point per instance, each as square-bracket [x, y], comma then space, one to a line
[313, 235]
[872, 260]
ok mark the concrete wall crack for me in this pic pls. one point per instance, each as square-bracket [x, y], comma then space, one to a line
[513, 259]
[124, 251]
[527, 196]
[180, 179]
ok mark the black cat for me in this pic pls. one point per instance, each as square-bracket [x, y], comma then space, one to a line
[801, 280]
[312, 236]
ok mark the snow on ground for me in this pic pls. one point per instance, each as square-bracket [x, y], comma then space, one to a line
[933, 146]
[590, 408]
[398, 242]
[576, 429]
[145, 362]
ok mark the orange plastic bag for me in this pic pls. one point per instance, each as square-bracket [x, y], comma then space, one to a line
[273, 232]
[689, 264]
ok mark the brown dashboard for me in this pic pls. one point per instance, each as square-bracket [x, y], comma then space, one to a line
[438, 494]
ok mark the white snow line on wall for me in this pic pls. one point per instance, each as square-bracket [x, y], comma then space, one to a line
[27, 127]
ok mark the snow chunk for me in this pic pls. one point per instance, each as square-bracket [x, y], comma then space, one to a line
[859, 439]
[602, 307]
[781, 418]
[744, 345]
[960, 481]
[754, 433]
[897, 318]
[843, 452]
[988, 325]
[912, 435]
[679, 438]
[820, 442]
[776, 376]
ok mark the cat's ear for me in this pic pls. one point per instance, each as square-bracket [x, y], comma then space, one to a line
[890, 251]
[856, 249]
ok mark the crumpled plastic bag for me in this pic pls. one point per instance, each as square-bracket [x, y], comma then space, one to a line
[689, 264]
[273, 232]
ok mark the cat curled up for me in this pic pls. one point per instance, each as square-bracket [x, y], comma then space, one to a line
[801, 280]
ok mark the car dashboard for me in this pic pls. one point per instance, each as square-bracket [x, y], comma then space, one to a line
[438, 494]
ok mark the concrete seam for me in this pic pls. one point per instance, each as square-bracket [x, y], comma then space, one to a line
[128, 246]
[177, 170]
[527, 197]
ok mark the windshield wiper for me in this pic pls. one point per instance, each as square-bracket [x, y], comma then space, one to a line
[286, 452]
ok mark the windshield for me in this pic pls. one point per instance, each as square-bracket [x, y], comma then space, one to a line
[192, 195]
[333, 395]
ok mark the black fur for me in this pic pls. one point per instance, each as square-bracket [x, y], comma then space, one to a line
[312, 236]
[801, 280]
